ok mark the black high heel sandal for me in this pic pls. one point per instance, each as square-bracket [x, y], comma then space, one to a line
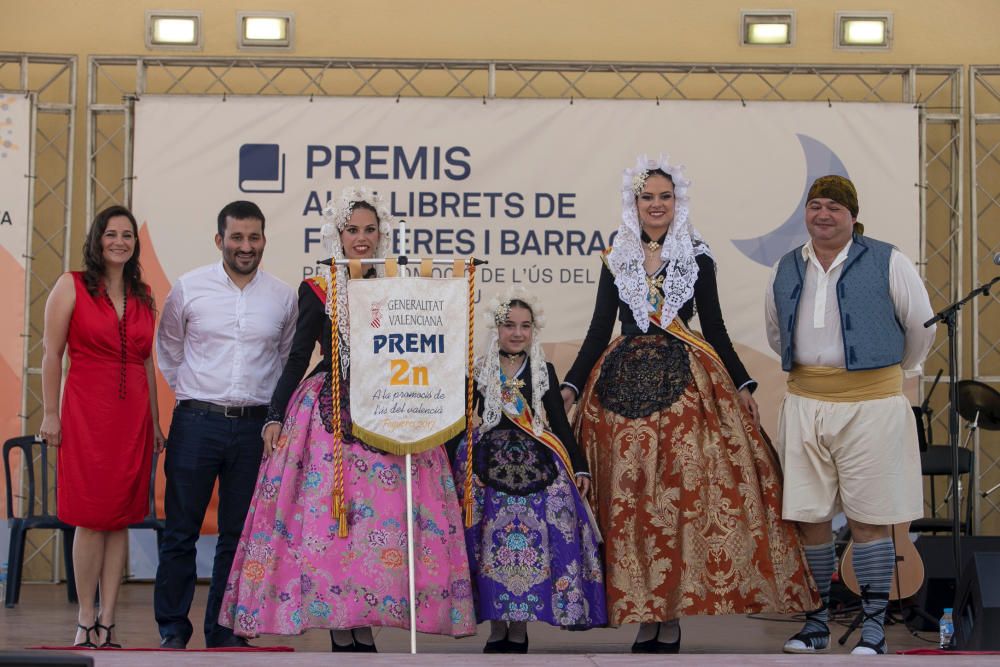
[87, 642]
[107, 638]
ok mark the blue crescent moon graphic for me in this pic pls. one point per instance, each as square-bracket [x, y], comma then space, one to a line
[768, 248]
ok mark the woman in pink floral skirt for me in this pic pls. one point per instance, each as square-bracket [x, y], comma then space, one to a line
[293, 570]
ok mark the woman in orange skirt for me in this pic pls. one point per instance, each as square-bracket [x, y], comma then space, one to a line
[688, 493]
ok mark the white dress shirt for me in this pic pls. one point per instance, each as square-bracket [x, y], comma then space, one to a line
[818, 339]
[222, 344]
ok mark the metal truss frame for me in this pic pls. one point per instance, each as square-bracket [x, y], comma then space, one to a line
[115, 82]
[984, 165]
[50, 81]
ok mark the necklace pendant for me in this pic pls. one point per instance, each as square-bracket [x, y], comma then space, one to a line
[653, 245]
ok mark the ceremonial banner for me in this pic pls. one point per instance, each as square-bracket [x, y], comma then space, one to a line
[409, 348]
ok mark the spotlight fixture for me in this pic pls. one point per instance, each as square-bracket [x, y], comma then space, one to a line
[269, 30]
[767, 27]
[173, 29]
[863, 30]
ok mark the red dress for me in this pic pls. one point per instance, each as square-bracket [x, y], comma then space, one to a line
[107, 428]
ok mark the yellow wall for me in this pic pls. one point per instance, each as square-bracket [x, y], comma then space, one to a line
[926, 31]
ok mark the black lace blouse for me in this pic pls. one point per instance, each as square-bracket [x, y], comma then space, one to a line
[554, 411]
[608, 305]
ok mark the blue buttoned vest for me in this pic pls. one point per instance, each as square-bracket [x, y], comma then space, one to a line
[873, 337]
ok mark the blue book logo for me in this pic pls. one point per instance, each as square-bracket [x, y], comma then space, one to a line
[262, 168]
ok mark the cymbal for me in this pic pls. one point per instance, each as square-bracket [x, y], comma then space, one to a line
[978, 397]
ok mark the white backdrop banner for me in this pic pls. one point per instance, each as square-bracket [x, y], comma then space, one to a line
[15, 155]
[409, 340]
[530, 185]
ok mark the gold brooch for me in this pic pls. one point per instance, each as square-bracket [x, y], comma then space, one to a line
[513, 383]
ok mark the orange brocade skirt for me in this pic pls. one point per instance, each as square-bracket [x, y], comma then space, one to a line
[688, 500]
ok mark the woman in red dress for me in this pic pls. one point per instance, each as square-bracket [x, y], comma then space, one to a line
[109, 423]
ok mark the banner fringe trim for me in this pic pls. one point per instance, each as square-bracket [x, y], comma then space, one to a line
[391, 446]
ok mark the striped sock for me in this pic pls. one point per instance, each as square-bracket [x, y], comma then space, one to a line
[874, 563]
[822, 560]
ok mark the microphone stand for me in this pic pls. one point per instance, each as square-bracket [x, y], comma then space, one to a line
[925, 410]
[949, 315]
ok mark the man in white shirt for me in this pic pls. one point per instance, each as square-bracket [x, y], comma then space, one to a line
[846, 314]
[225, 333]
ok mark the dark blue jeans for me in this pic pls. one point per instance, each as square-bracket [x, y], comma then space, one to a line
[202, 447]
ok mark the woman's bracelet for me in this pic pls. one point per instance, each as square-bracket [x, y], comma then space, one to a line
[266, 424]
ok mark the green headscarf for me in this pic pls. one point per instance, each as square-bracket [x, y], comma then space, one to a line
[840, 190]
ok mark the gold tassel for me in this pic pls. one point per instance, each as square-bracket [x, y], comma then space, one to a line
[339, 504]
[468, 511]
[342, 520]
[467, 502]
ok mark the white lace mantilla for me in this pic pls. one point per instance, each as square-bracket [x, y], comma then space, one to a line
[487, 370]
[680, 247]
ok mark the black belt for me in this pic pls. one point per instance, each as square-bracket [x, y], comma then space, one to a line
[233, 412]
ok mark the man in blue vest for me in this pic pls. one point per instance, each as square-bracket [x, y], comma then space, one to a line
[846, 314]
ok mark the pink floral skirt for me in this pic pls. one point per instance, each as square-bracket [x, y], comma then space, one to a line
[292, 572]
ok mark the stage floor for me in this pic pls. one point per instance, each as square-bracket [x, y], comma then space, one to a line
[44, 617]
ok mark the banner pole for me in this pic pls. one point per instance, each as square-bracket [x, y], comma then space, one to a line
[401, 237]
[409, 552]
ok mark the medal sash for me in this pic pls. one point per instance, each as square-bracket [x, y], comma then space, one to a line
[517, 410]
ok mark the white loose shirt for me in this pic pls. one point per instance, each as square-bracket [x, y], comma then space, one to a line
[222, 344]
[818, 338]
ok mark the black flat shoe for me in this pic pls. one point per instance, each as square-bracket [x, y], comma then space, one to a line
[341, 648]
[87, 641]
[517, 647]
[361, 647]
[648, 646]
[496, 646]
[669, 647]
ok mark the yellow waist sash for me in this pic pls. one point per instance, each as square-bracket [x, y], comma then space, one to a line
[840, 385]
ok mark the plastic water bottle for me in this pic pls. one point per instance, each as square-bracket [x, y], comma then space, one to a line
[946, 628]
